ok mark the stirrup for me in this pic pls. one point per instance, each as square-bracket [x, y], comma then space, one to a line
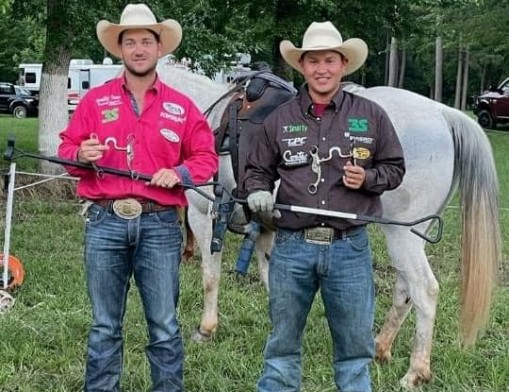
[6, 301]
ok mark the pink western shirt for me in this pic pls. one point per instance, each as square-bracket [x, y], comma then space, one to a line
[170, 132]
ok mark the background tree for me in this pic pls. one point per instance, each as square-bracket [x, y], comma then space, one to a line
[54, 31]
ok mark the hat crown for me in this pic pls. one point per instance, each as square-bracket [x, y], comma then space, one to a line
[321, 35]
[137, 14]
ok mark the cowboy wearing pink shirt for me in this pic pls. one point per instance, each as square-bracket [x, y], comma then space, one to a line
[139, 124]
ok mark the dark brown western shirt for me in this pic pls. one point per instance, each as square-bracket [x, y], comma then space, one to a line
[349, 124]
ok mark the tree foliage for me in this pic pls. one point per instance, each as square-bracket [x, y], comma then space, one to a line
[215, 30]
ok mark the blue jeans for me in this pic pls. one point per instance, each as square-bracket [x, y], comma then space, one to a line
[343, 273]
[148, 248]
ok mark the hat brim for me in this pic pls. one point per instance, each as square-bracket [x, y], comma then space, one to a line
[354, 49]
[169, 31]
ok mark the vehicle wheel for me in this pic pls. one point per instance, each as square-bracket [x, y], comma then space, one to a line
[485, 119]
[20, 112]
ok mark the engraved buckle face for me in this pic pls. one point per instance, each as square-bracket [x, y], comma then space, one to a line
[319, 235]
[127, 208]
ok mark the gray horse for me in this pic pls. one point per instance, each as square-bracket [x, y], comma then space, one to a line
[445, 150]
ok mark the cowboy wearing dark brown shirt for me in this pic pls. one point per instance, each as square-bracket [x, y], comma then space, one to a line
[331, 150]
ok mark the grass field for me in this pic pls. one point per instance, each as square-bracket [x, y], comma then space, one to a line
[43, 338]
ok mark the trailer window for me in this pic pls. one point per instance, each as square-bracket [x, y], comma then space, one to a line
[85, 85]
[30, 77]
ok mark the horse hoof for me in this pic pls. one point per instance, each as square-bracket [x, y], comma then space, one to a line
[382, 355]
[201, 337]
[412, 380]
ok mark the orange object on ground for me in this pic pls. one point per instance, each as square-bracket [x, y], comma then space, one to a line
[16, 272]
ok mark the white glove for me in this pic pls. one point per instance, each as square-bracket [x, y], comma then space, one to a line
[260, 201]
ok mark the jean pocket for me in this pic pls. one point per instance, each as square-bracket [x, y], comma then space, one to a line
[359, 241]
[95, 214]
[168, 218]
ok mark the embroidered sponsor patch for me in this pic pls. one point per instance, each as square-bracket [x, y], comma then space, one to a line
[357, 124]
[295, 128]
[299, 158]
[361, 139]
[174, 109]
[173, 118]
[361, 153]
[110, 115]
[109, 100]
[170, 135]
[295, 141]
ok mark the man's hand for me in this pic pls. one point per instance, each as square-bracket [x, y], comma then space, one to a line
[261, 202]
[91, 150]
[354, 176]
[166, 178]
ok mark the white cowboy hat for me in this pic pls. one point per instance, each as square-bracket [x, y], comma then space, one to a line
[324, 36]
[139, 16]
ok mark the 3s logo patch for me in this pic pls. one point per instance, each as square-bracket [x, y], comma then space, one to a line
[357, 124]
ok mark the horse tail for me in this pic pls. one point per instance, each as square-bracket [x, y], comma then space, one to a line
[481, 239]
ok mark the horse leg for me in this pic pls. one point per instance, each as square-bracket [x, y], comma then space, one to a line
[263, 248]
[188, 251]
[201, 225]
[401, 305]
[416, 281]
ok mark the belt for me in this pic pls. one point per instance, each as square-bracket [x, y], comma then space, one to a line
[325, 235]
[147, 206]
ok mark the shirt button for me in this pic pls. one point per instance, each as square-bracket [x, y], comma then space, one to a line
[323, 202]
[322, 179]
[324, 138]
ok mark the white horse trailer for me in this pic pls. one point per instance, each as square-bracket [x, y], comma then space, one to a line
[83, 75]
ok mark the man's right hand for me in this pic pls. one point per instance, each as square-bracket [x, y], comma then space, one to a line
[91, 150]
[260, 202]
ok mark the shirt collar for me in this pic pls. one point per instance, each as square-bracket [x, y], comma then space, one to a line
[306, 102]
[156, 87]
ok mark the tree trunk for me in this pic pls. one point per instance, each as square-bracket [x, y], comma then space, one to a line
[393, 63]
[457, 94]
[53, 114]
[465, 80]
[438, 69]
[402, 68]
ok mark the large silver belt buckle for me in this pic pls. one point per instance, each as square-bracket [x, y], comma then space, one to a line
[127, 208]
[319, 235]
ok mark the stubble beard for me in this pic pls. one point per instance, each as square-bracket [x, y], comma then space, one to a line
[141, 74]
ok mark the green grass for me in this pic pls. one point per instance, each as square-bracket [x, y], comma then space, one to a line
[43, 338]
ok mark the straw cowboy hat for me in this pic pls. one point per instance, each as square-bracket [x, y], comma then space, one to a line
[324, 36]
[139, 16]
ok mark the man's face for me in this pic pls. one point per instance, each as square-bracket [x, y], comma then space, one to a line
[140, 51]
[323, 71]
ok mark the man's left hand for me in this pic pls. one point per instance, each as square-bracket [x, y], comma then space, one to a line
[354, 176]
[165, 178]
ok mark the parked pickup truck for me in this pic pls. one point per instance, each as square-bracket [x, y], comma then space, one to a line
[492, 107]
